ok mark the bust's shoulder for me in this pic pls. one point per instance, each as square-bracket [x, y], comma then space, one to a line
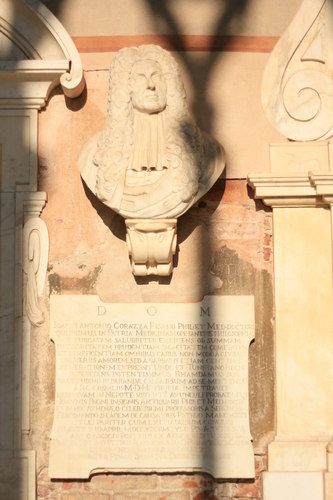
[85, 160]
[215, 159]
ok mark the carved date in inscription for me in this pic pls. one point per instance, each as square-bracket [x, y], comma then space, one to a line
[166, 389]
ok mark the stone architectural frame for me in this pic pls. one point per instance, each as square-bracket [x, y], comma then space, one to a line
[299, 458]
[36, 56]
[297, 97]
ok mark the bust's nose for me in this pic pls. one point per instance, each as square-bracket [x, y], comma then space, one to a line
[150, 84]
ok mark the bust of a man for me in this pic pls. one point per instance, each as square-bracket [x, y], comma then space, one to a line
[150, 161]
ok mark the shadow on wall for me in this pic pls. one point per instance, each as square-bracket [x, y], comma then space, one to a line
[199, 68]
[230, 13]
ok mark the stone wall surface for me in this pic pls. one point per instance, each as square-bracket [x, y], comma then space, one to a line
[224, 241]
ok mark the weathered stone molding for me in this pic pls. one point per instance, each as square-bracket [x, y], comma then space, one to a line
[302, 190]
[43, 48]
[300, 175]
[285, 191]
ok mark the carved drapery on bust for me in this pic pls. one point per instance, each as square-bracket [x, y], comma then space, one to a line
[151, 161]
[297, 90]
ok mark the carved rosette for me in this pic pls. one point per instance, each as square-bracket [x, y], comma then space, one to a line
[297, 90]
[151, 245]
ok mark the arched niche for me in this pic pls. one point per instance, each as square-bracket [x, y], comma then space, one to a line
[36, 55]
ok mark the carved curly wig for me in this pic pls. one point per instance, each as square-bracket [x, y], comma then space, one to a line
[184, 141]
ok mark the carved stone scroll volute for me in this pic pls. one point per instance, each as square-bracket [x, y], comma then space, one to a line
[151, 246]
[35, 256]
[35, 251]
[297, 90]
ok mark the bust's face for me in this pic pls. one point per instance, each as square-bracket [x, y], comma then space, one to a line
[148, 87]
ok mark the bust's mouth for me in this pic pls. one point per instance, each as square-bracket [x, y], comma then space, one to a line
[152, 97]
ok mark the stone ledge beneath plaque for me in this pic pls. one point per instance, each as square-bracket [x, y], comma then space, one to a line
[293, 486]
[309, 456]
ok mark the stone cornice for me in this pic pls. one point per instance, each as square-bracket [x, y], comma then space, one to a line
[323, 183]
[285, 190]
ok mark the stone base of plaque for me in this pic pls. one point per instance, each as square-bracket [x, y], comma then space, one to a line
[230, 462]
[293, 486]
[291, 455]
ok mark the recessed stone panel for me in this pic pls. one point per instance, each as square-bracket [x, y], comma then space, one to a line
[151, 387]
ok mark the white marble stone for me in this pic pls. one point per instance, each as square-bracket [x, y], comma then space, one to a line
[300, 453]
[287, 190]
[297, 89]
[292, 455]
[35, 257]
[151, 161]
[51, 53]
[151, 386]
[330, 457]
[304, 321]
[299, 157]
[151, 245]
[293, 486]
[328, 486]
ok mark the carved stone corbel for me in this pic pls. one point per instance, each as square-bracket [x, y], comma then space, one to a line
[35, 256]
[151, 245]
[35, 249]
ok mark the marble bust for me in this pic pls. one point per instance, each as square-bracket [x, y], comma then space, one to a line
[151, 161]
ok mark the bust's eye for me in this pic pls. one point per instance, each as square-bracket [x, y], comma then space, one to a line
[157, 76]
[139, 78]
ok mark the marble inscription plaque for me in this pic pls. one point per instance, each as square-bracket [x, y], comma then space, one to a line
[151, 387]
